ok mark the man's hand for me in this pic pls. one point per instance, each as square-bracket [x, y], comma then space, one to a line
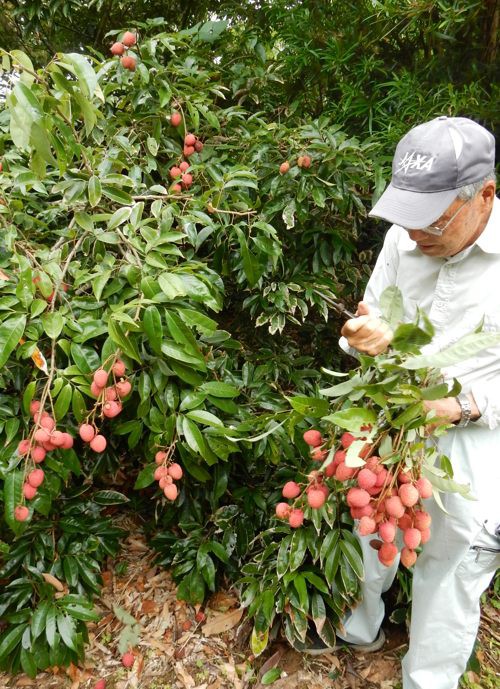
[450, 410]
[366, 333]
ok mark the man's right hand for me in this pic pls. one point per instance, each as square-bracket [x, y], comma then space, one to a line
[367, 333]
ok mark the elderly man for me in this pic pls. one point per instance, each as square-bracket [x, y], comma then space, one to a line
[443, 252]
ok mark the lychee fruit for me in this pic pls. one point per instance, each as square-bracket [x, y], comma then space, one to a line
[128, 659]
[21, 513]
[128, 62]
[175, 119]
[296, 518]
[98, 443]
[284, 167]
[424, 487]
[394, 507]
[346, 440]
[35, 477]
[86, 432]
[117, 48]
[366, 526]
[29, 491]
[412, 538]
[129, 39]
[119, 368]
[290, 490]
[316, 498]
[175, 172]
[408, 557]
[343, 472]
[23, 447]
[409, 494]
[357, 497]
[313, 438]
[175, 471]
[170, 491]
[189, 140]
[100, 377]
[282, 510]
[111, 409]
[366, 478]
[387, 532]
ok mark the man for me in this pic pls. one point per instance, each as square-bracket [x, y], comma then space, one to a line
[443, 252]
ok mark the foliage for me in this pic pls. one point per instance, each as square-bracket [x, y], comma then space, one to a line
[104, 260]
[210, 294]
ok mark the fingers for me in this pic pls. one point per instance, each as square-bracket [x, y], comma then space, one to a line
[363, 309]
[367, 334]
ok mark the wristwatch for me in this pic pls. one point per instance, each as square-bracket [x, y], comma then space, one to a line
[466, 410]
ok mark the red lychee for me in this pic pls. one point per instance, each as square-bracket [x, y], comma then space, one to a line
[98, 443]
[290, 490]
[21, 513]
[86, 432]
[313, 437]
[117, 48]
[296, 518]
[128, 659]
[175, 119]
[129, 39]
[128, 62]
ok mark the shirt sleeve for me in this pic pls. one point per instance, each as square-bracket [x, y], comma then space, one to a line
[383, 275]
[487, 398]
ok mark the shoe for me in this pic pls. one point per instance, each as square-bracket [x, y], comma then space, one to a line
[315, 646]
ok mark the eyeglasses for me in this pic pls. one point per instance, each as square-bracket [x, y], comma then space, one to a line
[433, 229]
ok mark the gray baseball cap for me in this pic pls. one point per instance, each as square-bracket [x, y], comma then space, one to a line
[432, 161]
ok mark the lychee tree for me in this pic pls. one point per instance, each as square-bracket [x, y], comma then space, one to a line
[116, 271]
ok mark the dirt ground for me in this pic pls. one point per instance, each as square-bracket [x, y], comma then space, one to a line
[174, 651]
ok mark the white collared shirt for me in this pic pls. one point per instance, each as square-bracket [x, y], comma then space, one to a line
[457, 294]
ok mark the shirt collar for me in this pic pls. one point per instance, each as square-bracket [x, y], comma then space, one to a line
[488, 241]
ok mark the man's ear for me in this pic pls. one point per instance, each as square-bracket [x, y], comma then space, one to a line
[488, 192]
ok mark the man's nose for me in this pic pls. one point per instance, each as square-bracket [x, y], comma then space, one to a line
[417, 235]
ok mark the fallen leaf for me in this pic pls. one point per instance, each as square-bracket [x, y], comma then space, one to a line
[221, 623]
[149, 607]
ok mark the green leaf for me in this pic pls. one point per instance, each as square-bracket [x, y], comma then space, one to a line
[110, 497]
[297, 549]
[12, 492]
[204, 417]
[82, 69]
[63, 402]
[352, 419]
[353, 557]
[218, 389]
[194, 437]
[94, 191]
[309, 406]
[192, 588]
[119, 217]
[127, 344]
[391, 305]
[171, 285]
[270, 676]
[465, 348]
[151, 320]
[67, 630]
[28, 663]
[145, 477]
[11, 332]
[50, 629]
[53, 324]
[10, 639]
[39, 618]
[259, 641]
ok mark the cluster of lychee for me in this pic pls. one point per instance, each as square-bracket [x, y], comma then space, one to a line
[166, 473]
[119, 48]
[191, 145]
[109, 399]
[302, 161]
[383, 499]
[45, 438]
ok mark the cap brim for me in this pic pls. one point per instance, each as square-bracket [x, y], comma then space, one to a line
[412, 209]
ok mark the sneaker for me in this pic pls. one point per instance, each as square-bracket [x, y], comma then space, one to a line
[315, 646]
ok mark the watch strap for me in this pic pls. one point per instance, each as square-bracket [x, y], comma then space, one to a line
[466, 409]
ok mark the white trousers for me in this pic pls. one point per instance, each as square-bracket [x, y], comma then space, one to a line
[450, 575]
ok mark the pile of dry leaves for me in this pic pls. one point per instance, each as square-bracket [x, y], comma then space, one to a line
[175, 651]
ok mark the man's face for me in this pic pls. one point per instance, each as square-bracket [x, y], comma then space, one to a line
[462, 231]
